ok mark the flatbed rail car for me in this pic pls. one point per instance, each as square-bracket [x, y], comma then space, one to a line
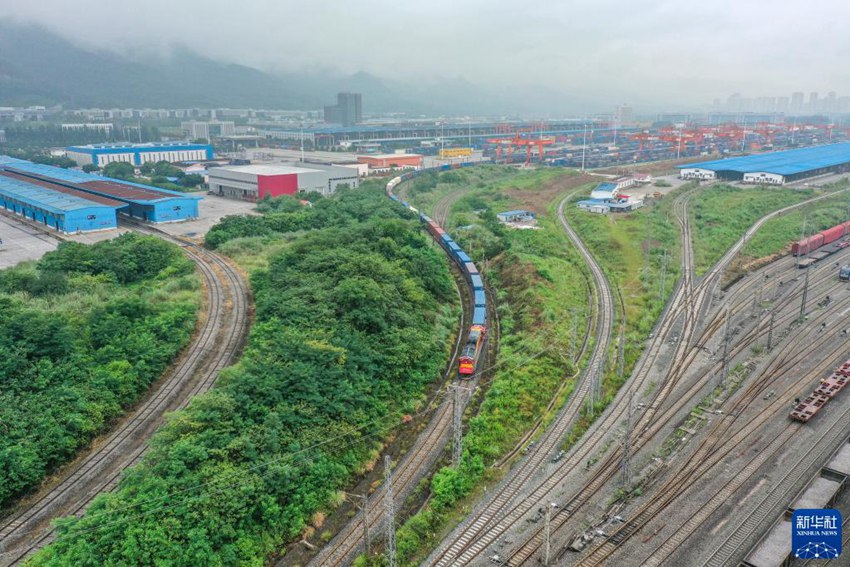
[474, 345]
[827, 389]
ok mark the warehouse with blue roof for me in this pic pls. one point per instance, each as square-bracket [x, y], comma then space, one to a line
[138, 154]
[773, 168]
[64, 211]
[150, 204]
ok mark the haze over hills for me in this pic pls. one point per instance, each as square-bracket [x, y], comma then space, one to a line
[38, 66]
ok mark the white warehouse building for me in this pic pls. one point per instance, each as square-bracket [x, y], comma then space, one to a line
[254, 182]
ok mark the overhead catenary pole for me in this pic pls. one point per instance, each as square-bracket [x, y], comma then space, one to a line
[805, 295]
[547, 528]
[724, 370]
[627, 463]
[583, 147]
[770, 331]
[457, 424]
[389, 510]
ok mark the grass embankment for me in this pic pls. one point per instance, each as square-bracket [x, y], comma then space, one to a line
[542, 298]
[83, 334]
[777, 234]
[722, 213]
[633, 250]
[354, 312]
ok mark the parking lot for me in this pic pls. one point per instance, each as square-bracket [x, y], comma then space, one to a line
[22, 243]
[212, 209]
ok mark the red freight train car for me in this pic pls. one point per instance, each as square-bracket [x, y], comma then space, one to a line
[815, 241]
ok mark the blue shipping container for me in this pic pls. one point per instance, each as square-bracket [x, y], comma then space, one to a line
[479, 316]
[480, 298]
[476, 282]
[463, 257]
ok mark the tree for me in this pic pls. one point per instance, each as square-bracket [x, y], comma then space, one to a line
[191, 180]
[89, 167]
[119, 170]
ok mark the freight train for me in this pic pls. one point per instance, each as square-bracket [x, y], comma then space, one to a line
[826, 390]
[477, 335]
[819, 246]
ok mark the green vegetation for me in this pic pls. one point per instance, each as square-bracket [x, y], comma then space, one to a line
[41, 156]
[542, 294]
[156, 174]
[348, 332]
[779, 232]
[722, 213]
[83, 333]
[633, 249]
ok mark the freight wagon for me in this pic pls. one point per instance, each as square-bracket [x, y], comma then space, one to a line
[471, 351]
[827, 389]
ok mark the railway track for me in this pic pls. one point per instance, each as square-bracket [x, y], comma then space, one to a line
[689, 300]
[428, 446]
[217, 344]
[421, 457]
[486, 524]
[718, 443]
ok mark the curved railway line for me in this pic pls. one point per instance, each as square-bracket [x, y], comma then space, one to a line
[217, 344]
[487, 523]
[429, 444]
[689, 301]
[718, 443]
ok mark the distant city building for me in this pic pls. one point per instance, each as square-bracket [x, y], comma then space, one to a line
[208, 130]
[137, 154]
[347, 111]
[797, 100]
[624, 114]
[254, 182]
[98, 126]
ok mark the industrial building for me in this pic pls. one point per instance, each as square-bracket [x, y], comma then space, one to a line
[347, 111]
[140, 201]
[137, 154]
[462, 132]
[773, 168]
[208, 130]
[254, 182]
[65, 211]
[387, 161]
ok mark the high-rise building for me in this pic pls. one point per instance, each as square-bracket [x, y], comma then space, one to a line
[347, 111]
[814, 104]
[624, 114]
[797, 99]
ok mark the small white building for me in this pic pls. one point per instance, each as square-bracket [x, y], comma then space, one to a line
[764, 178]
[697, 173]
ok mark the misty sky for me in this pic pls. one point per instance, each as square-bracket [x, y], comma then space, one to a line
[674, 52]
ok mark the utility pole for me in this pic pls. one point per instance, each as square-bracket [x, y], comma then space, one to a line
[663, 276]
[725, 367]
[573, 333]
[457, 425]
[627, 448]
[365, 509]
[621, 354]
[805, 295]
[389, 510]
[547, 528]
[583, 147]
[770, 331]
